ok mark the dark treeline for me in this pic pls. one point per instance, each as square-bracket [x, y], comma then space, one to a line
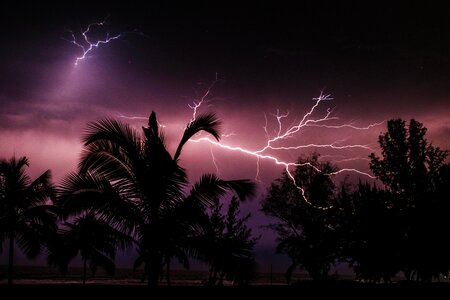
[129, 191]
[397, 224]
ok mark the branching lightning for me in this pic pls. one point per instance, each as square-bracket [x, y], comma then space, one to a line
[84, 42]
[275, 141]
[195, 105]
[203, 99]
[285, 134]
[213, 158]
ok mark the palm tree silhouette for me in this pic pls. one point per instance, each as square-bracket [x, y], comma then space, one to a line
[95, 241]
[26, 216]
[135, 185]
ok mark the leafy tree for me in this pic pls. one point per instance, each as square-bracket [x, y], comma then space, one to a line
[305, 231]
[367, 223]
[26, 216]
[134, 184]
[412, 169]
[227, 245]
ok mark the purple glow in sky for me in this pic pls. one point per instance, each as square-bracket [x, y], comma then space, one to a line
[377, 61]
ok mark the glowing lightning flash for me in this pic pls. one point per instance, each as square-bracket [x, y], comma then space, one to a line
[120, 115]
[195, 105]
[86, 45]
[202, 100]
[284, 134]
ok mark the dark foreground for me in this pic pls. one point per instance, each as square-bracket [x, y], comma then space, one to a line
[302, 290]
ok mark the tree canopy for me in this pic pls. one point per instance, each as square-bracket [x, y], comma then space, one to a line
[305, 231]
[415, 171]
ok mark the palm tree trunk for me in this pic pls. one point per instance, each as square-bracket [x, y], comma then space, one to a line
[84, 271]
[153, 277]
[215, 278]
[168, 272]
[154, 269]
[222, 275]
[210, 275]
[11, 258]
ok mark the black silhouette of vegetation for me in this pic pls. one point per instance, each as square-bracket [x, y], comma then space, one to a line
[27, 218]
[228, 245]
[90, 237]
[415, 173]
[398, 226]
[369, 233]
[136, 186]
[130, 191]
[305, 232]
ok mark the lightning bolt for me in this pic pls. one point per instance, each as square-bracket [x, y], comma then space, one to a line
[351, 126]
[195, 105]
[203, 99]
[284, 134]
[343, 159]
[84, 41]
[120, 115]
[213, 157]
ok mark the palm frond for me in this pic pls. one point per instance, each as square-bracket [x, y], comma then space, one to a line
[61, 251]
[40, 190]
[43, 215]
[105, 158]
[110, 145]
[14, 164]
[210, 187]
[79, 192]
[206, 122]
[112, 130]
[95, 240]
[243, 188]
[113, 204]
[24, 211]
[28, 240]
[15, 179]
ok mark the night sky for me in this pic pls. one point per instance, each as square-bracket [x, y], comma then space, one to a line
[378, 61]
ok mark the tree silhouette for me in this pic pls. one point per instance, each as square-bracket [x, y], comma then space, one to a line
[26, 216]
[368, 227]
[135, 185]
[227, 245]
[412, 169]
[95, 241]
[305, 232]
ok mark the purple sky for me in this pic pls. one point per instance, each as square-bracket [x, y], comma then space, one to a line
[378, 62]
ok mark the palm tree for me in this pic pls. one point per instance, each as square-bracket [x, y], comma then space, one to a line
[135, 185]
[26, 217]
[95, 241]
